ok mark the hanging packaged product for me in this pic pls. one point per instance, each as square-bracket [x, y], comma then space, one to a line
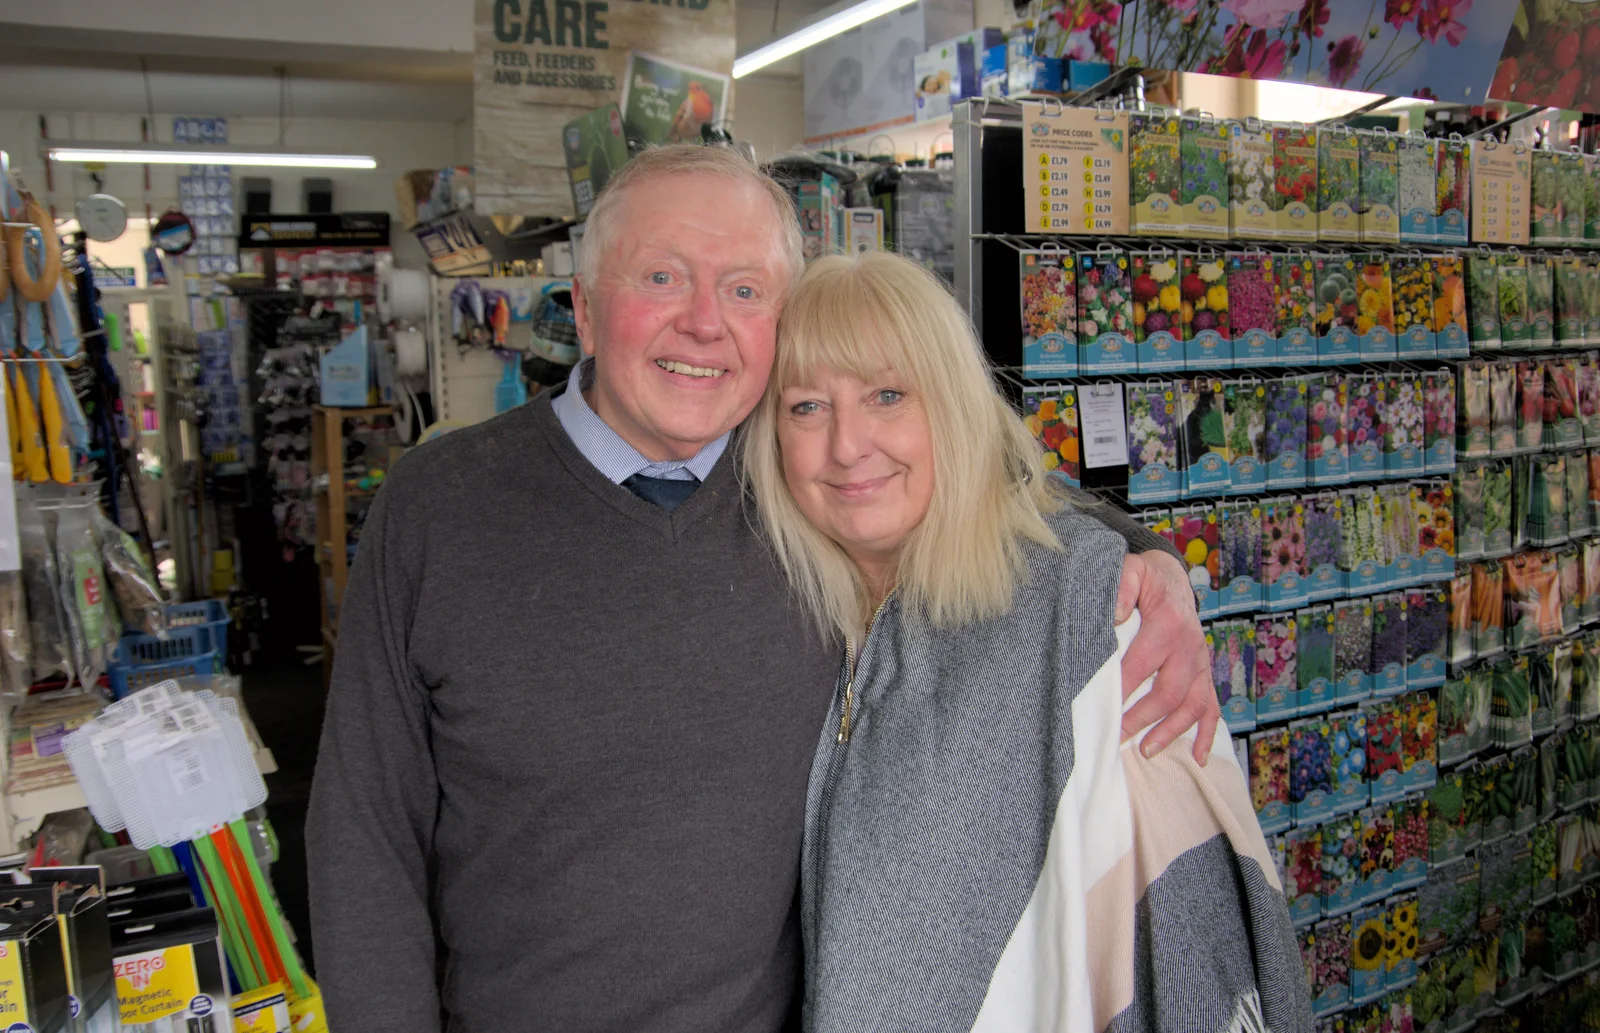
[1195, 535]
[1562, 426]
[1337, 310]
[1311, 775]
[1324, 579]
[33, 985]
[1253, 194]
[1203, 188]
[1500, 192]
[1439, 421]
[1368, 934]
[1302, 883]
[1467, 486]
[1511, 274]
[133, 586]
[1379, 203]
[1449, 307]
[1361, 540]
[1075, 162]
[1567, 281]
[1533, 603]
[1503, 407]
[1578, 523]
[1454, 179]
[1497, 503]
[1364, 417]
[1591, 301]
[1383, 750]
[1541, 301]
[1269, 770]
[1051, 414]
[1352, 645]
[1400, 536]
[170, 973]
[1049, 314]
[1285, 436]
[1338, 184]
[1253, 308]
[1327, 451]
[1105, 313]
[1296, 322]
[1283, 554]
[1460, 625]
[1204, 290]
[51, 643]
[1275, 669]
[1589, 397]
[1483, 299]
[1244, 417]
[1153, 472]
[1547, 225]
[1427, 639]
[1402, 426]
[1472, 384]
[93, 631]
[1375, 308]
[1157, 311]
[1545, 512]
[1591, 199]
[1207, 468]
[1569, 575]
[1239, 540]
[1387, 664]
[1530, 405]
[1233, 669]
[1417, 161]
[1155, 172]
[1294, 160]
[1411, 276]
[1411, 850]
[79, 898]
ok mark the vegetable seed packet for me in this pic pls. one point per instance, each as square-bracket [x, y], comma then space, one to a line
[1207, 468]
[1564, 661]
[1447, 815]
[1530, 405]
[1338, 184]
[1253, 196]
[1252, 308]
[1206, 326]
[1511, 279]
[1472, 383]
[1314, 670]
[1589, 398]
[1327, 453]
[1105, 313]
[1411, 278]
[1269, 778]
[1510, 704]
[1157, 311]
[1545, 513]
[1503, 407]
[1417, 160]
[1375, 308]
[1276, 683]
[1387, 663]
[1562, 427]
[1155, 171]
[1294, 157]
[1459, 718]
[1203, 189]
[1546, 225]
[1461, 618]
[1297, 310]
[1439, 421]
[1352, 649]
[1467, 487]
[1337, 310]
[1569, 573]
[1284, 575]
[1427, 637]
[1488, 609]
[1302, 886]
[1483, 299]
[1589, 556]
[1497, 507]
[1285, 434]
[1240, 543]
[1574, 188]
[1570, 310]
[1542, 686]
[1402, 426]
[1449, 307]
[1541, 301]
[1049, 315]
[1233, 669]
[1453, 211]
[1324, 579]
[1448, 906]
[1379, 204]
[1591, 300]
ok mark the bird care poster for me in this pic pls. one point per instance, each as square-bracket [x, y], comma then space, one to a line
[541, 64]
[667, 102]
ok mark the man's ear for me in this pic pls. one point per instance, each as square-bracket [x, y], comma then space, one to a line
[580, 315]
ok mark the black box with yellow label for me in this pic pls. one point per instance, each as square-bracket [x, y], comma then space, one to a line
[170, 972]
[33, 972]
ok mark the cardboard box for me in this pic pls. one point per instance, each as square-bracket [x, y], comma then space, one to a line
[863, 229]
[995, 77]
[943, 74]
[821, 223]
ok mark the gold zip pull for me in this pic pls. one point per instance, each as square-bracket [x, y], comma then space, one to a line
[844, 714]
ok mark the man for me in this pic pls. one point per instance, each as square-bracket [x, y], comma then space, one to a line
[574, 704]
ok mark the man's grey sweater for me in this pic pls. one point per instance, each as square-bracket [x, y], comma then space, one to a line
[568, 742]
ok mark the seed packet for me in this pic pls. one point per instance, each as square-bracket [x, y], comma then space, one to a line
[1203, 188]
[1561, 426]
[1323, 542]
[1338, 309]
[1311, 770]
[1244, 419]
[1283, 554]
[1589, 398]
[1575, 771]
[1448, 819]
[1533, 599]
[1285, 435]
[1488, 609]
[1105, 313]
[1338, 184]
[1569, 572]
[1152, 442]
[1461, 618]
[1239, 542]
[1204, 289]
[1314, 671]
[1294, 157]
[1453, 211]
[1253, 197]
[1302, 886]
[1467, 487]
[1157, 308]
[1207, 468]
[1410, 841]
[1594, 486]
[1327, 455]
[1364, 422]
[1253, 308]
[1402, 425]
[1411, 278]
[1368, 934]
[1513, 981]
[1457, 715]
[1503, 407]
[1530, 405]
[1567, 277]
[1543, 844]
[1419, 751]
[1544, 513]
[1449, 322]
[1296, 298]
[1511, 279]
[1591, 300]
[1330, 984]
[1472, 382]
[1511, 704]
[1483, 300]
[1352, 649]
[1434, 506]
[1448, 907]
[1383, 745]
[1154, 171]
[1276, 683]
[1579, 525]
[1427, 637]
[1495, 776]
[1375, 308]
[1547, 226]
[1341, 864]
[1417, 160]
[1439, 421]
[1269, 778]
[1049, 315]
[1361, 540]
[1400, 958]
[1379, 204]
[1542, 688]
[1400, 535]
[1573, 187]
[1589, 556]
[1233, 670]
[1387, 665]
[1194, 534]
[1497, 481]
[1052, 416]
[1541, 301]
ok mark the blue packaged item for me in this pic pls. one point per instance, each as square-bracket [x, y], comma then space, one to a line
[1303, 874]
[1105, 313]
[1296, 323]
[1245, 414]
[1403, 426]
[1080, 75]
[1195, 535]
[1239, 542]
[345, 371]
[1285, 433]
[1152, 413]
[1352, 649]
[995, 80]
[1030, 72]
[1375, 308]
[1427, 637]
[1206, 470]
[1387, 665]
[1411, 823]
[1400, 535]
[1419, 742]
[1269, 778]
[1311, 776]
[1400, 965]
[1252, 308]
[1050, 412]
[1385, 781]
[1348, 743]
[1233, 672]
[1366, 982]
[1314, 667]
[1323, 539]
[1411, 276]
[1049, 314]
[1454, 190]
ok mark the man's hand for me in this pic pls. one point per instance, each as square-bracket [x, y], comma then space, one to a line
[1171, 646]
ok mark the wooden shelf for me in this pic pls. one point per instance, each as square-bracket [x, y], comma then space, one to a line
[369, 410]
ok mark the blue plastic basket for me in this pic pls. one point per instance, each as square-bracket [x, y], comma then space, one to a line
[211, 614]
[144, 660]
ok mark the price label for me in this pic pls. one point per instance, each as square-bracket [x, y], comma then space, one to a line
[1500, 176]
[1105, 429]
[1075, 170]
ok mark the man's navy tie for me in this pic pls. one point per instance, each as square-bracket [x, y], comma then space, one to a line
[668, 494]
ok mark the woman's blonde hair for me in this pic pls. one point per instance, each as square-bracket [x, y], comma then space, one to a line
[861, 315]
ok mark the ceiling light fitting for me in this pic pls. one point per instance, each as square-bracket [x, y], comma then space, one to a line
[168, 154]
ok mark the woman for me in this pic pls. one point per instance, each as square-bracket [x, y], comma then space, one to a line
[980, 852]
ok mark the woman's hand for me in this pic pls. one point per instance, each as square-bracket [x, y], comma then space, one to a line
[1170, 645]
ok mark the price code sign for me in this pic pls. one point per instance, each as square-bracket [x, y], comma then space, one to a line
[1075, 170]
[1501, 191]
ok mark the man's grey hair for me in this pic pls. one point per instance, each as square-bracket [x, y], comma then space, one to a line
[657, 163]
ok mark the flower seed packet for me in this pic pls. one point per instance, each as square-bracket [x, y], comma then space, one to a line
[1341, 865]
[1269, 778]
[1364, 418]
[1419, 742]
[1368, 936]
[1570, 309]
[1154, 171]
[1302, 885]
[1338, 184]
[1411, 277]
[1153, 472]
[1283, 554]
[1361, 554]
[1439, 421]
[1203, 190]
[1472, 387]
[1383, 726]
[1337, 311]
[1427, 637]
[1323, 541]
[1314, 672]
[1327, 455]
[1541, 301]
[1387, 665]
[1276, 681]
[1402, 426]
[1233, 670]
[1051, 415]
[1207, 466]
[1379, 204]
[1467, 489]
[1377, 855]
[1253, 308]
[1417, 159]
[1449, 307]
[1286, 432]
[1352, 650]
[1330, 987]
[1399, 535]
[1157, 308]
[1195, 536]
[1297, 310]
[1453, 213]
[1253, 196]
[1239, 538]
[1294, 158]
[1410, 841]
[1375, 308]
[1105, 313]
[1400, 959]
[1244, 418]
[1483, 299]
[1511, 276]
[1049, 315]
[1503, 407]
[1206, 326]
[1434, 504]
[1311, 777]
[1349, 751]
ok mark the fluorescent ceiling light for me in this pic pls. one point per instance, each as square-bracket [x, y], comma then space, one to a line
[816, 32]
[160, 154]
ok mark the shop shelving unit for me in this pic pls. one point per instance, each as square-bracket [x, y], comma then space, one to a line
[327, 472]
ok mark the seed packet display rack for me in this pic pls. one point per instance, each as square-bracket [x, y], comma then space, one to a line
[1373, 849]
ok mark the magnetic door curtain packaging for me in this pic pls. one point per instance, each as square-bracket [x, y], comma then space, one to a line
[1049, 314]
[1501, 175]
[1155, 170]
[33, 975]
[1075, 170]
[170, 975]
[83, 915]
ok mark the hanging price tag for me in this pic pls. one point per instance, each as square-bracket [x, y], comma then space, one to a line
[1105, 429]
[1075, 169]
